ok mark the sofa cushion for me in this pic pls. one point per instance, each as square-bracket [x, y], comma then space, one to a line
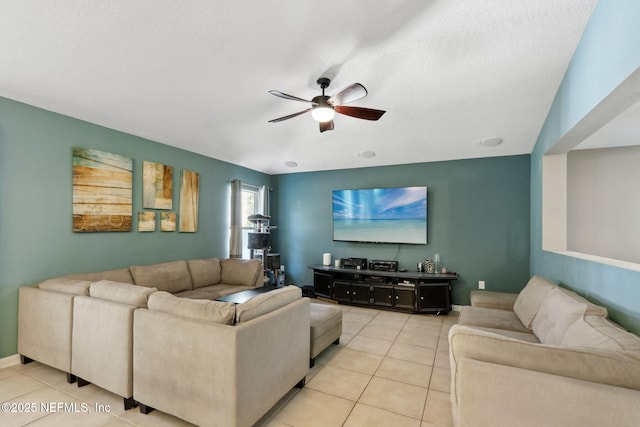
[169, 276]
[522, 336]
[204, 272]
[530, 298]
[491, 318]
[237, 271]
[67, 286]
[492, 299]
[213, 291]
[267, 302]
[592, 309]
[557, 312]
[212, 311]
[122, 275]
[121, 292]
[598, 332]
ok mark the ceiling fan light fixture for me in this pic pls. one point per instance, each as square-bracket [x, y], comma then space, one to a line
[323, 108]
[322, 113]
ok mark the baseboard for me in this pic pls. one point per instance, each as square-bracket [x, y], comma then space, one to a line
[457, 308]
[12, 360]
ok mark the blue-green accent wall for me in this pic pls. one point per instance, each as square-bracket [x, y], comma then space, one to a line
[478, 220]
[36, 241]
[609, 51]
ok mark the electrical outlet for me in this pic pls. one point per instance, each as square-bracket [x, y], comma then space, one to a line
[480, 284]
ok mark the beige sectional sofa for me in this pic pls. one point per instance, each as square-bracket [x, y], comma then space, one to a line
[191, 362]
[84, 325]
[545, 356]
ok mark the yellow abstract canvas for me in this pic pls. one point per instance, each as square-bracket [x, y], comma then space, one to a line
[157, 185]
[189, 187]
[146, 221]
[167, 221]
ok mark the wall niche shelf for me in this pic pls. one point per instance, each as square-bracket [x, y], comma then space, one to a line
[589, 190]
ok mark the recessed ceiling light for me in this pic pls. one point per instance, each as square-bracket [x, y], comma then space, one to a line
[290, 164]
[489, 142]
[368, 154]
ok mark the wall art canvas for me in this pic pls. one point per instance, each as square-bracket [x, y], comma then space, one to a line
[189, 186]
[146, 221]
[102, 191]
[157, 185]
[167, 221]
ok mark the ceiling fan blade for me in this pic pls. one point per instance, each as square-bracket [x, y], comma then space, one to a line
[359, 112]
[287, 96]
[349, 94]
[290, 116]
[326, 125]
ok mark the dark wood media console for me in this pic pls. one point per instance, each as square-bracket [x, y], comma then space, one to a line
[394, 290]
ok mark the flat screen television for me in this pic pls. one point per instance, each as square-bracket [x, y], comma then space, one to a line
[381, 215]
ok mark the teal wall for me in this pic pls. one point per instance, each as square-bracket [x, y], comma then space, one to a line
[478, 220]
[609, 51]
[36, 241]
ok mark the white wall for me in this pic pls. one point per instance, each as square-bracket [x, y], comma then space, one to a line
[603, 202]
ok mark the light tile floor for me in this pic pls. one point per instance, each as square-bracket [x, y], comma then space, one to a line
[390, 369]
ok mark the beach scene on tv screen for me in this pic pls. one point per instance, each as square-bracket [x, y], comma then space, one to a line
[383, 215]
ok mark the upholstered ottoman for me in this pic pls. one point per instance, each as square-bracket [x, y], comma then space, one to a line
[326, 328]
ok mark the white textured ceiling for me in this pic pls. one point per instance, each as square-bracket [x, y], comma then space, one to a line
[196, 74]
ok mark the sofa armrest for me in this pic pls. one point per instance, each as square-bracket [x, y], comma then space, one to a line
[600, 366]
[525, 375]
[491, 299]
[44, 326]
[497, 395]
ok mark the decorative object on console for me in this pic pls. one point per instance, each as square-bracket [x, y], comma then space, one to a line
[429, 266]
[157, 186]
[380, 215]
[326, 258]
[167, 221]
[146, 221]
[189, 186]
[102, 191]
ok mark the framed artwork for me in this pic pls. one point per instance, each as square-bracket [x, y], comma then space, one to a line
[167, 221]
[146, 221]
[157, 185]
[102, 191]
[189, 187]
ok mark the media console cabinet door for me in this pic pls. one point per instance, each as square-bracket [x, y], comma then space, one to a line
[360, 293]
[383, 295]
[404, 298]
[434, 297]
[323, 284]
[342, 291]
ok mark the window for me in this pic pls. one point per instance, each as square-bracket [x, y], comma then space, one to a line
[250, 206]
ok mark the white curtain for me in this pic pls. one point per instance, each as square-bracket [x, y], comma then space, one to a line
[235, 240]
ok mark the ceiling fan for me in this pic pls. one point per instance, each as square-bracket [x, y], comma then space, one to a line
[324, 107]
